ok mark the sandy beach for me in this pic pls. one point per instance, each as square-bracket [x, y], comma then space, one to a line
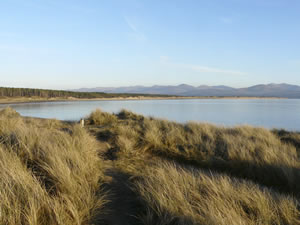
[38, 100]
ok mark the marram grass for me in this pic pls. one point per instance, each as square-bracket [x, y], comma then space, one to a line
[197, 173]
[44, 175]
[58, 173]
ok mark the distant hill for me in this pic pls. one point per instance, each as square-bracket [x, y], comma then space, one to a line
[261, 90]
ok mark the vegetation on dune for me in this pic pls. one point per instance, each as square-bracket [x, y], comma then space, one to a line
[45, 177]
[292, 138]
[240, 175]
[129, 169]
[244, 152]
[103, 118]
[174, 195]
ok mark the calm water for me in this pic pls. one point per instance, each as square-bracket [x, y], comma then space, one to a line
[270, 113]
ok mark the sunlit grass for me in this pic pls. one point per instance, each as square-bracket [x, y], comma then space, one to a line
[54, 172]
[45, 177]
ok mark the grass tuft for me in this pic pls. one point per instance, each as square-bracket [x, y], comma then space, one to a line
[157, 172]
[101, 118]
[45, 177]
[175, 195]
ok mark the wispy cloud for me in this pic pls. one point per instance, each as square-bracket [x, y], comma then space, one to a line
[205, 69]
[199, 68]
[7, 34]
[135, 33]
[164, 59]
[57, 4]
[130, 24]
[9, 48]
[295, 62]
[19, 49]
[226, 20]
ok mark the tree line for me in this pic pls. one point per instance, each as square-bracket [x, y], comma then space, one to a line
[43, 93]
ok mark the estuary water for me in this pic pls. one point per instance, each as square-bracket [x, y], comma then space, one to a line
[269, 113]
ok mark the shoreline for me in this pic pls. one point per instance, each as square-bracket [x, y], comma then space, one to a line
[41, 100]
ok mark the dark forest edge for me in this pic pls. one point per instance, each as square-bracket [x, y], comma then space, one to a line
[24, 95]
[45, 93]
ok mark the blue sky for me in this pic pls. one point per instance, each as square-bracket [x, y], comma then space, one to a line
[63, 44]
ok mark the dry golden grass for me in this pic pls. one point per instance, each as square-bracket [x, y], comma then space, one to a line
[290, 138]
[244, 152]
[101, 118]
[174, 195]
[51, 172]
[48, 174]
[242, 175]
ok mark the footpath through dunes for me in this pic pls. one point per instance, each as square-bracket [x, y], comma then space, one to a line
[201, 174]
[128, 169]
[263, 156]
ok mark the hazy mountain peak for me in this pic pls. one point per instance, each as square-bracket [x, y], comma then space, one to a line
[259, 90]
[185, 85]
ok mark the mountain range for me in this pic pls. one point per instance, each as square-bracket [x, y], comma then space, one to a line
[262, 90]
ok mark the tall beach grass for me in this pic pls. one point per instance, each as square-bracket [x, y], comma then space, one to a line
[48, 175]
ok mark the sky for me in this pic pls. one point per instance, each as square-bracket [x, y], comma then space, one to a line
[68, 44]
